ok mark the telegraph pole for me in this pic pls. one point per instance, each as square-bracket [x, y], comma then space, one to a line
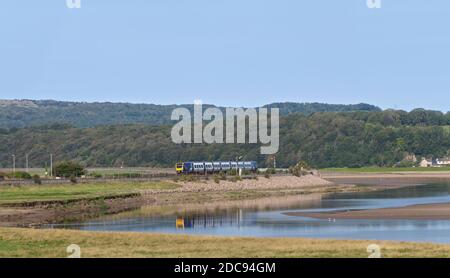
[14, 163]
[51, 165]
[26, 162]
[238, 172]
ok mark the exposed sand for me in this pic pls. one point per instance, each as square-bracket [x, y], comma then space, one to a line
[405, 178]
[415, 212]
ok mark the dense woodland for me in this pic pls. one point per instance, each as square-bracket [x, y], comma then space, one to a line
[322, 139]
[25, 113]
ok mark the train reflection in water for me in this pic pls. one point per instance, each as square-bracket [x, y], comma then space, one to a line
[205, 221]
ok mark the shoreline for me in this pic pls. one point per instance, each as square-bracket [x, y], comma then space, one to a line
[179, 193]
[28, 213]
[34, 213]
[435, 211]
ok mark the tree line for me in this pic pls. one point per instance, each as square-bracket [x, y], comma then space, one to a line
[321, 139]
[25, 113]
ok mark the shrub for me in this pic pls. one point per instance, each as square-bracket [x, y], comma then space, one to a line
[271, 171]
[406, 164]
[267, 176]
[37, 179]
[73, 179]
[19, 175]
[68, 169]
[299, 169]
[246, 172]
[96, 175]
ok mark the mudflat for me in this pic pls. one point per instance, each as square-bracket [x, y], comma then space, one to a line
[415, 212]
[389, 179]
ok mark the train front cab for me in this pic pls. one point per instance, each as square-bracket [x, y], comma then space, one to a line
[179, 167]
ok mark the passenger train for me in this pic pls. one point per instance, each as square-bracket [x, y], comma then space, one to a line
[206, 167]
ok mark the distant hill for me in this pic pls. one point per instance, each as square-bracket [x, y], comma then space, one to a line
[25, 113]
[287, 108]
[323, 139]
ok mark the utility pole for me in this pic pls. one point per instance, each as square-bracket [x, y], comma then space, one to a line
[238, 172]
[26, 162]
[51, 165]
[14, 163]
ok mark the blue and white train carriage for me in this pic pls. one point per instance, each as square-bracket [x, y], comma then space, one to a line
[207, 167]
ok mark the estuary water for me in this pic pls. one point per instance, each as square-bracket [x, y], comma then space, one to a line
[266, 217]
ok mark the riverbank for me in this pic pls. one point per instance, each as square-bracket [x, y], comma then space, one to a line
[31, 243]
[415, 212]
[33, 205]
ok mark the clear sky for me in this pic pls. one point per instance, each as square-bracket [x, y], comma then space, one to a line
[228, 52]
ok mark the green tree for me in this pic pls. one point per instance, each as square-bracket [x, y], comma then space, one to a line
[69, 169]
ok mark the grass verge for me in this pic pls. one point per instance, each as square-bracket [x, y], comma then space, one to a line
[15, 242]
[42, 193]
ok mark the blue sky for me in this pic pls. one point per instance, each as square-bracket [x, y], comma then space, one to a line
[228, 52]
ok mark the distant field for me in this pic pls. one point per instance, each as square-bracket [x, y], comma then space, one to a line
[102, 171]
[25, 243]
[33, 193]
[385, 170]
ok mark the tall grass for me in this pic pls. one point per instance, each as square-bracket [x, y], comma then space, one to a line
[53, 243]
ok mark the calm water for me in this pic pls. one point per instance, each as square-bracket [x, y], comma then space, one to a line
[265, 217]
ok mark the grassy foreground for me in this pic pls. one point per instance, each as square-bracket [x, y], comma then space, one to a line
[32, 193]
[15, 242]
[386, 170]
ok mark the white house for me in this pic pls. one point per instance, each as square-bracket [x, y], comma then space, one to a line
[426, 163]
[443, 161]
[439, 162]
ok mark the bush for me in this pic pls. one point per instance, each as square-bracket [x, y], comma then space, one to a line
[73, 179]
[96, 175]
[267, 176]
[246, 172]
[299, 169]
[271, 171]
[232, 172]
[406, 164]
[2, 176]
[19, 175]
[37, 179]
[68, 169]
